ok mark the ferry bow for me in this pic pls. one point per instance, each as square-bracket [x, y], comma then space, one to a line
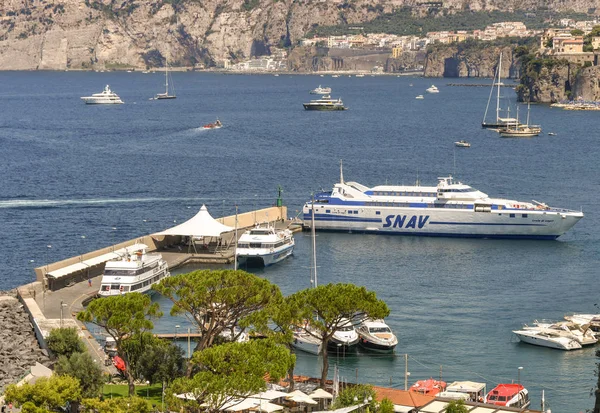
[450, 209]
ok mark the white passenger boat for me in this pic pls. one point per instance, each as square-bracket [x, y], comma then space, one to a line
[321, 91]
[325, 103]
[135, 272]
[106, 97]
[376, 335]
[450, 209]
[264, 246]
[432, 89]
[547, 338]
[344, 337]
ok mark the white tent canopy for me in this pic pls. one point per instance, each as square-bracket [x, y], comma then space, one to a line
[200, 225]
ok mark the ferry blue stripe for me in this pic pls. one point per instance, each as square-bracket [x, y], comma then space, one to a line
[334, 218]
[445, 234]
[485, 223]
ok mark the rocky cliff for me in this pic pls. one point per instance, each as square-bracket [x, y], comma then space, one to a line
[99, 34]
[551, 82]
[471, 62]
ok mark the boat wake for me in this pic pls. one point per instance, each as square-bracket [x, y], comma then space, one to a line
[58, 203]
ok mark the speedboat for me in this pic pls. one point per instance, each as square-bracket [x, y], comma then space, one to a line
[509, 395]
[462, 144]
[432, 89]
[325, 103]
[547, 338]
[568, 329]
[216, 125]
[451, 209]
[551, 134]
[344, 337]
[133, 272]
[429, 387]
[321, 91]
[264, 246]
[376, 335]
[106, 97]
[419, 97]
[587, 321]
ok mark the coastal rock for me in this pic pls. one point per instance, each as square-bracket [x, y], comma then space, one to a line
[587, 84]
[19, 349]
[101, 34]
[449, 61]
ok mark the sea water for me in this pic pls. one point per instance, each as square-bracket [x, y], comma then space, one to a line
[76, 178]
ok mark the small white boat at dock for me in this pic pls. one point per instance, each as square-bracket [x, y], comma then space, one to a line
[264, 246]
[376, 335]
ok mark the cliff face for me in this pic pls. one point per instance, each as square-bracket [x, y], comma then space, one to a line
[475, 62]
[98, 34]
[560, 82]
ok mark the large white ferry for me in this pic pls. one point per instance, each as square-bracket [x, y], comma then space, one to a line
[450, 209]
[133, 273]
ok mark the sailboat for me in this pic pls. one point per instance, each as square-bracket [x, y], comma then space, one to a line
[166, 95]
[303, 339]
[500, 122]
[520, 131]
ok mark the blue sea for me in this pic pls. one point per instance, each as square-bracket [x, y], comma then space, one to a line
[76, 178]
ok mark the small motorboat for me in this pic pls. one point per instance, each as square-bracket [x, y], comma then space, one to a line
[550, 339]
[429, 387]
[420, 97]
[216, 125]
[432, 89]
[462, 144]
[376, 335]
[551, 134]
[509, 395]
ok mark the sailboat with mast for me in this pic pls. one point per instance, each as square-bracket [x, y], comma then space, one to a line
[166, 95]
[499, 122]
[520, 131]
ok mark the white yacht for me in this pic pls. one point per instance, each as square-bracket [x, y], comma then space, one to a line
[264, 246]
[450, 209]
[321, 91]
[304, 341]
[569, 329]
[376, 335]
[106, 97]
[587, 321]
[325, 103]
[432, 89]
[344, 337]
[547, 338]
[462, 144]
[135, 272]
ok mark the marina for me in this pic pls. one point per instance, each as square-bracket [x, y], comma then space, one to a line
[443, 292]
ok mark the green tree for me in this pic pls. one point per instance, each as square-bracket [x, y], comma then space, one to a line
[153, 359]
[65, 341]
[329, 307]
[353, 395]
[82, 367]
[116, 405]
[122, 316]
[386, 406]
[457, 406]
[52, 393]
[218, 300]
[229, 371]
[577, 32]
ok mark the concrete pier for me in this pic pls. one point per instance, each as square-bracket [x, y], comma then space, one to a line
[53, 303]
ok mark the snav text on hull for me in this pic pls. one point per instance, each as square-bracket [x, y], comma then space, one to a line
[449, 209]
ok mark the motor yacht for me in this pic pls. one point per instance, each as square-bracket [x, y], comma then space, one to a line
[420, 97]
[376, 335]
[264, 246]
[586, 321]
[321, 91]
[307, 340]
[509, 395]
[462, 144]
[325, 103]
[106, 97]
[547, 338]
[432, 89]
[133, 272]
[569, 329]
[344, 337]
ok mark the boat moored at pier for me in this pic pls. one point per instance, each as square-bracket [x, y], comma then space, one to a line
[133, 273]
[450, 209]
[264, 246]
[509, 395]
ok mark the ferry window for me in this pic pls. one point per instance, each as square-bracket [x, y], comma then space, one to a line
[377, 212]
[126, 288]
[356, 212]
[524, 215]
[512, 215]
[351, 212]
[327, 211]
